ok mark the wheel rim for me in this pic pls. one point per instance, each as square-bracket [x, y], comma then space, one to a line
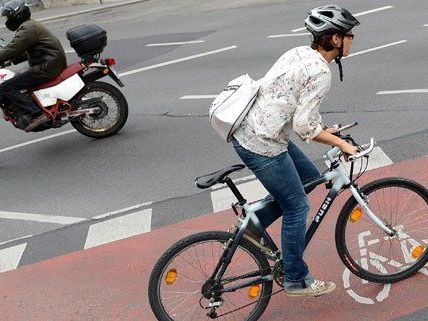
[108, 115]
[371, 249]
[194, 265]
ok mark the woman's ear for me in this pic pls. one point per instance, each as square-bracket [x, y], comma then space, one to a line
[336, 40]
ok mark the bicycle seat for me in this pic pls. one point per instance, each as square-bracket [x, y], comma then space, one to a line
[217, 177]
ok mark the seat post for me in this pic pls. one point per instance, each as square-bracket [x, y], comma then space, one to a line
[235, 191]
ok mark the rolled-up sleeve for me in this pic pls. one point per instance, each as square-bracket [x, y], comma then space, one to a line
[307, 121]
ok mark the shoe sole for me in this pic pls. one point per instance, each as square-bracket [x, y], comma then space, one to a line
[296, 295]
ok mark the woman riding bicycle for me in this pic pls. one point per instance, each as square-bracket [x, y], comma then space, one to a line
[291, 102]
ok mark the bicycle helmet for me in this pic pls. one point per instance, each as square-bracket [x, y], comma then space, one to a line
[329, 20]
[16, 12]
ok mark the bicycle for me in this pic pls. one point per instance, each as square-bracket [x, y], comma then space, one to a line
[218, 274]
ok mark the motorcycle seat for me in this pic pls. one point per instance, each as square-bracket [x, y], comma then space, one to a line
[65, 74]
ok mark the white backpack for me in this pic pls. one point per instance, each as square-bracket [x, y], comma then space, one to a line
[232, 105]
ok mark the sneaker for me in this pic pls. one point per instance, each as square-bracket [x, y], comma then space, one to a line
[317, 288]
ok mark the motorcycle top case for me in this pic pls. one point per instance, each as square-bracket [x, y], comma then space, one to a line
[87, 40]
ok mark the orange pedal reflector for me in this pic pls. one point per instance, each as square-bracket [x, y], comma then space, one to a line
[106, 71]
[254, 291]
[356, 214]
[171, 276]
[417, 252]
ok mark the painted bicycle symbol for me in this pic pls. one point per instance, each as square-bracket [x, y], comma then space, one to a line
[368, 257]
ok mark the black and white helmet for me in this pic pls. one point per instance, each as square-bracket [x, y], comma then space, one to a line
[15, 8]
[330, 19]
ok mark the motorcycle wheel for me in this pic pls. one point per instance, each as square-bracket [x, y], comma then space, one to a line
[112, 115]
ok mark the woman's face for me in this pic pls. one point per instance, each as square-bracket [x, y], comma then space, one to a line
[347, 42]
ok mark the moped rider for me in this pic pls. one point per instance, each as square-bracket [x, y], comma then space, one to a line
[46, 59]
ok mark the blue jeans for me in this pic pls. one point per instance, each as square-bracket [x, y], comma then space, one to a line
[283, 177]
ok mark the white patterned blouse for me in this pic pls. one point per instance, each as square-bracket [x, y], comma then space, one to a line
[288, 102]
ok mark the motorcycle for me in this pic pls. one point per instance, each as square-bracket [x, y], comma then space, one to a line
[94, 108]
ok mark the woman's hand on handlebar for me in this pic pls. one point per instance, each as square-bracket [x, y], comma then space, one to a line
[348, 149]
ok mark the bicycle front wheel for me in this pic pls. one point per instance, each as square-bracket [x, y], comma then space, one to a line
[366, 250]
[178, 287]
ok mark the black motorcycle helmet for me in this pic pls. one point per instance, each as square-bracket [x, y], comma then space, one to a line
[16, 12]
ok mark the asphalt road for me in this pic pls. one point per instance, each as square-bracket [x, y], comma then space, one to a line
[167, 141]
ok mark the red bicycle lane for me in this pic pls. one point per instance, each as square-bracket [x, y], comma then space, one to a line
[110, 282]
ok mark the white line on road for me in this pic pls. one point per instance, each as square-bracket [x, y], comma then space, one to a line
[199, 97]
[63, 220]
[351, 55]
[176, 61]
[119, 228]
[10, 257]
[122, 75]
[36, 141]
[371, 11]
[123, 210]
[289, 35]
[375, 48]
[407, 91]
[426, 25]
[355, 15]
[174, 43]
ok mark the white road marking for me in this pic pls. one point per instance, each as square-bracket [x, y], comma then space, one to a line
[10, 257]
[119, 228]
[36, 141]
[17, 239]
[355, 15]
[222, 198]
[407, 91]
[426, 25]
[289, 35]
[123, 210]
[63, 220]
[127, 73]
[351, 55]
[174, 43]
[375, 48]
[371, 11]
[199, 97]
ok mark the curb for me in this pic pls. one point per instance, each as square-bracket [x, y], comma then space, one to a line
[71, 14]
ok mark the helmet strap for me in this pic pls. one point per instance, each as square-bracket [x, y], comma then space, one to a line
[339, 61]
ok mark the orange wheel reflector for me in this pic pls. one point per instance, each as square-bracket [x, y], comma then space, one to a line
[254, 291]
[106, 71]
[356, 214]
[417, 252]
[171, 276]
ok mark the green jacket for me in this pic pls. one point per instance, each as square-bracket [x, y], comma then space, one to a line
[35, 43]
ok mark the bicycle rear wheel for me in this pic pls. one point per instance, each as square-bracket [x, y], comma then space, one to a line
[366, 250]
[178, 283]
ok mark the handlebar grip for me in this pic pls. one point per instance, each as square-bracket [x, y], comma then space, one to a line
[363, 153]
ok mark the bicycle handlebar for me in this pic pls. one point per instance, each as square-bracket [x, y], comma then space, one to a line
[364, 152]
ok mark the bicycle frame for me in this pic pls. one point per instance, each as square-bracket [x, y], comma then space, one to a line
[341, 179]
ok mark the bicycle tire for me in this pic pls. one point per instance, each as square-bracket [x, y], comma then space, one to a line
[345, 218]
[159, 269]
